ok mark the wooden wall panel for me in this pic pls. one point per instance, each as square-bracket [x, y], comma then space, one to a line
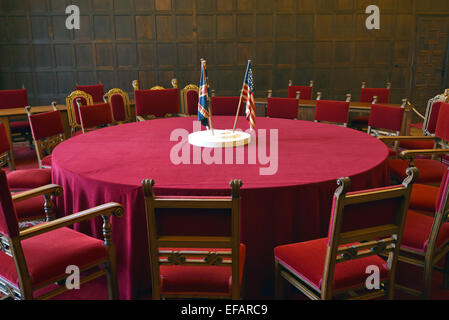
[155, 40]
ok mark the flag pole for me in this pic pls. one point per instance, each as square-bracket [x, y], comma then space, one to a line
[203, 67]
[240, 101]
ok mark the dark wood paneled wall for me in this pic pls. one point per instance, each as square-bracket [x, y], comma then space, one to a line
[155, 40]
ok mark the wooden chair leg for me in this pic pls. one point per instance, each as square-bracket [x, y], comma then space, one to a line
[279, 288]
[427, 280]
[446, 272]
[112, 281]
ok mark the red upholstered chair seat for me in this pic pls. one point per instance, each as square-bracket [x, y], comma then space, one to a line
[194, 280]
[417, 144]
[430, 171]
[31, 208]
[417, 231]
[48, 255]
[424, 197]
[306, 260]
[29, 178]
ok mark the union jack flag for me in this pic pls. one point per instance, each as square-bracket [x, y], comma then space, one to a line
[248, 96]
[204, 97]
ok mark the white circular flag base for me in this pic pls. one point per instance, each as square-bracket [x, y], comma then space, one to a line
[220, 139]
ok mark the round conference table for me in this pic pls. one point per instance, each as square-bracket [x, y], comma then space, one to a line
[286, 199]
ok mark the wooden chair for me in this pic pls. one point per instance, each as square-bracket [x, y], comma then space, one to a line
[182, 257]
[189, 100]
[119, 101]
[37, 257]
[332, 111]
[387, 121]
[226, 106]
[426, 237]
[363, 225]
[285, 108]
[20, 179]
[19, 127]
[432, 170]
[73, 110]
[48, 132]
[157, 102]
[96, 91]
[374, 96]
[95, 116]
[429, 125]
[300, 92]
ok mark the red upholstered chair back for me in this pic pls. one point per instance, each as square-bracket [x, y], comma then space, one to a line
[226, 106]
[8, 218]
[365, 223]
[157, 102]
[442, 128]
[286, 108]
[192, 102]
[332, 111]
[443, 194]
[45, 125]
[171, 243]
[433, 117]
[306, 92]
[13, 99]
[5, 146]
[96, 91]
[95, 115]
[368, 94]
[118, 108]
[386, 117]
[72, 106]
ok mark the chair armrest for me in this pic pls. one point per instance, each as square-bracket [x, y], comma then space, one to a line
[51, 189]
[145, 118]
[405, 138]
[105, 210]
[411, 154]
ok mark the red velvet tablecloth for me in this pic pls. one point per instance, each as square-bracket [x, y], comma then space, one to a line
[290, 206]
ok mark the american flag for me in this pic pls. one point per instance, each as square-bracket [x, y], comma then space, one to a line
[248, 96]
[204, 97]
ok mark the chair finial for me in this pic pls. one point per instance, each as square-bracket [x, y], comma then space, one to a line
[318, 95]
[28, 110]
[23, 86]
[136, 84]
[363, 85]
[290, 83]
[312, 83]
[343, 186]
[54, 104]
[412, 175]
[298, 95]
[235, 186]
[375, 99]
[212, 92]
[270, 93]
[148, 187]
[174, 83]
[348, 97]
[404, 102]
[388, 85]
